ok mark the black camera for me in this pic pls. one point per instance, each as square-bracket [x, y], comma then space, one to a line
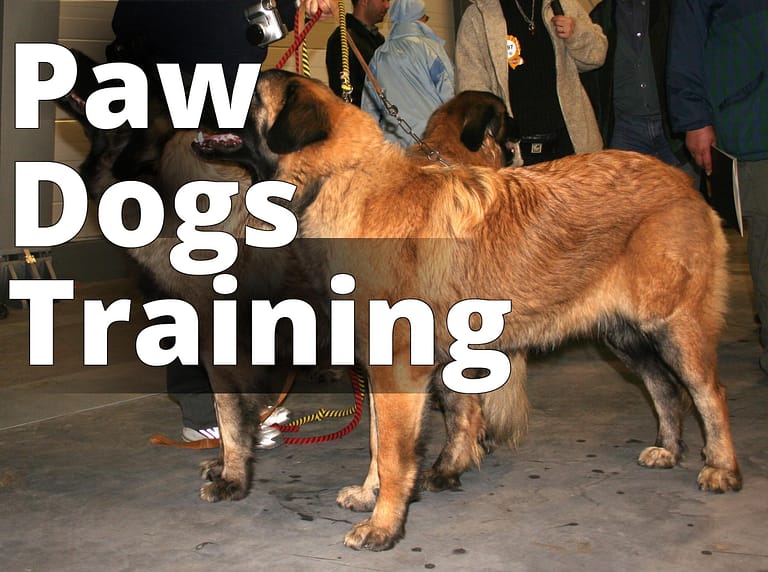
[264, 23]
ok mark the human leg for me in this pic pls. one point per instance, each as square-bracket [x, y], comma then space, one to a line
[753, 186]
[188, 385]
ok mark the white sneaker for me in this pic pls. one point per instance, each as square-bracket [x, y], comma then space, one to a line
[278, 416]
[268, 437]
[188, 434]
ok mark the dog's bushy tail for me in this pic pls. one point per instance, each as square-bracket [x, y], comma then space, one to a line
[506, 409]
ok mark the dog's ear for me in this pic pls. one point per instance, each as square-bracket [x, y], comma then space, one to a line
[303, 120]
[478, 122]
[85, 84]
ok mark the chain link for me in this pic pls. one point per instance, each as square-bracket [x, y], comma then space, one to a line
[431, 153]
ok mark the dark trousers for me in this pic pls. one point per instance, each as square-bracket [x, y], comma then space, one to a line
[189, 386]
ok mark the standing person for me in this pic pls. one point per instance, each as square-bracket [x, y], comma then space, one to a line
[412, 68]
[361, 26]
[629, 92]
[188, 33]
[531, 58]
[718, 95]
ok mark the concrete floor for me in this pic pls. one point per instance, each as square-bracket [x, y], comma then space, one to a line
[81, 488]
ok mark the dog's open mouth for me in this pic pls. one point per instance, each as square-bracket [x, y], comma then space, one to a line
[216, 143]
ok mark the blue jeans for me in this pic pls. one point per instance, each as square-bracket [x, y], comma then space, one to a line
[644, 134]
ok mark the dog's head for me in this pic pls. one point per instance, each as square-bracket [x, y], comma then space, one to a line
[122, 153]
[474, 128]
[296, 126]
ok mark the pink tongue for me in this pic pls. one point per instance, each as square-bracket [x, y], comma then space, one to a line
[218, 141]
[224, 139]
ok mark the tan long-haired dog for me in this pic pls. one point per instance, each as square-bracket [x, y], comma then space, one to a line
[473, 128]
[613, 243]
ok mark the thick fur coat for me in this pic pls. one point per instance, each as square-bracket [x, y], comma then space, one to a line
[473, 128]
[614, 244]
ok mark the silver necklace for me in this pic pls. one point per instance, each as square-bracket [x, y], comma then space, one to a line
[529, 21]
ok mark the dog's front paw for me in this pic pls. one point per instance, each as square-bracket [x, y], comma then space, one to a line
[211, 469]
[434, 481]
[356, 498]
[719, 480]
[657, 458]
[222, 489]
[366, 535]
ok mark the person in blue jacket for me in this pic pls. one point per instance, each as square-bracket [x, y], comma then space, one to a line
[413, 69]
[717, 84]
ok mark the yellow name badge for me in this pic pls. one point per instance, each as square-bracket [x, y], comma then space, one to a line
[513, 52]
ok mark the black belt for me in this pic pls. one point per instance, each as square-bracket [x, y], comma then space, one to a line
[541, 143]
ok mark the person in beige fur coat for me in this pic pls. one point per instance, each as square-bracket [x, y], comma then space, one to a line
[530, 57]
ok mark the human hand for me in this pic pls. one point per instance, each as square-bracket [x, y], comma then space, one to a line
[312, 6]
[564, 26]
[699, 143]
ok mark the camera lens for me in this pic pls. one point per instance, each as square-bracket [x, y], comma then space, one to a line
[255, 34]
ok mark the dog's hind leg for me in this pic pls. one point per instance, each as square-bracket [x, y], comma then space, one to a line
[465, 430]
[638, 351]
[676, 282]
[476, 424]
[400, 395]
[251, 405]
[692, 353]
[362, 498]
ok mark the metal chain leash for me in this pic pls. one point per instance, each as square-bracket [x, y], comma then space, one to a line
[431, 153]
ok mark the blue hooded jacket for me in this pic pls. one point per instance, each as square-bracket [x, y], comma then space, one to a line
[413, 69]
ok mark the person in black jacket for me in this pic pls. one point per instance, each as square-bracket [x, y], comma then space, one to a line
[718, 95]
[361, 26]
[187, 33]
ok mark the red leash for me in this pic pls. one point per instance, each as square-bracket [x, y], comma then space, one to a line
[358, 385]
[299, 39]
[359, 394]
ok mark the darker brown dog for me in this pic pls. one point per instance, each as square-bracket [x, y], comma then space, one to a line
[473, 128]
[614, 243]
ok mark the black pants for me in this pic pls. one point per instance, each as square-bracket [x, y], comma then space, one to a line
[186, 384]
